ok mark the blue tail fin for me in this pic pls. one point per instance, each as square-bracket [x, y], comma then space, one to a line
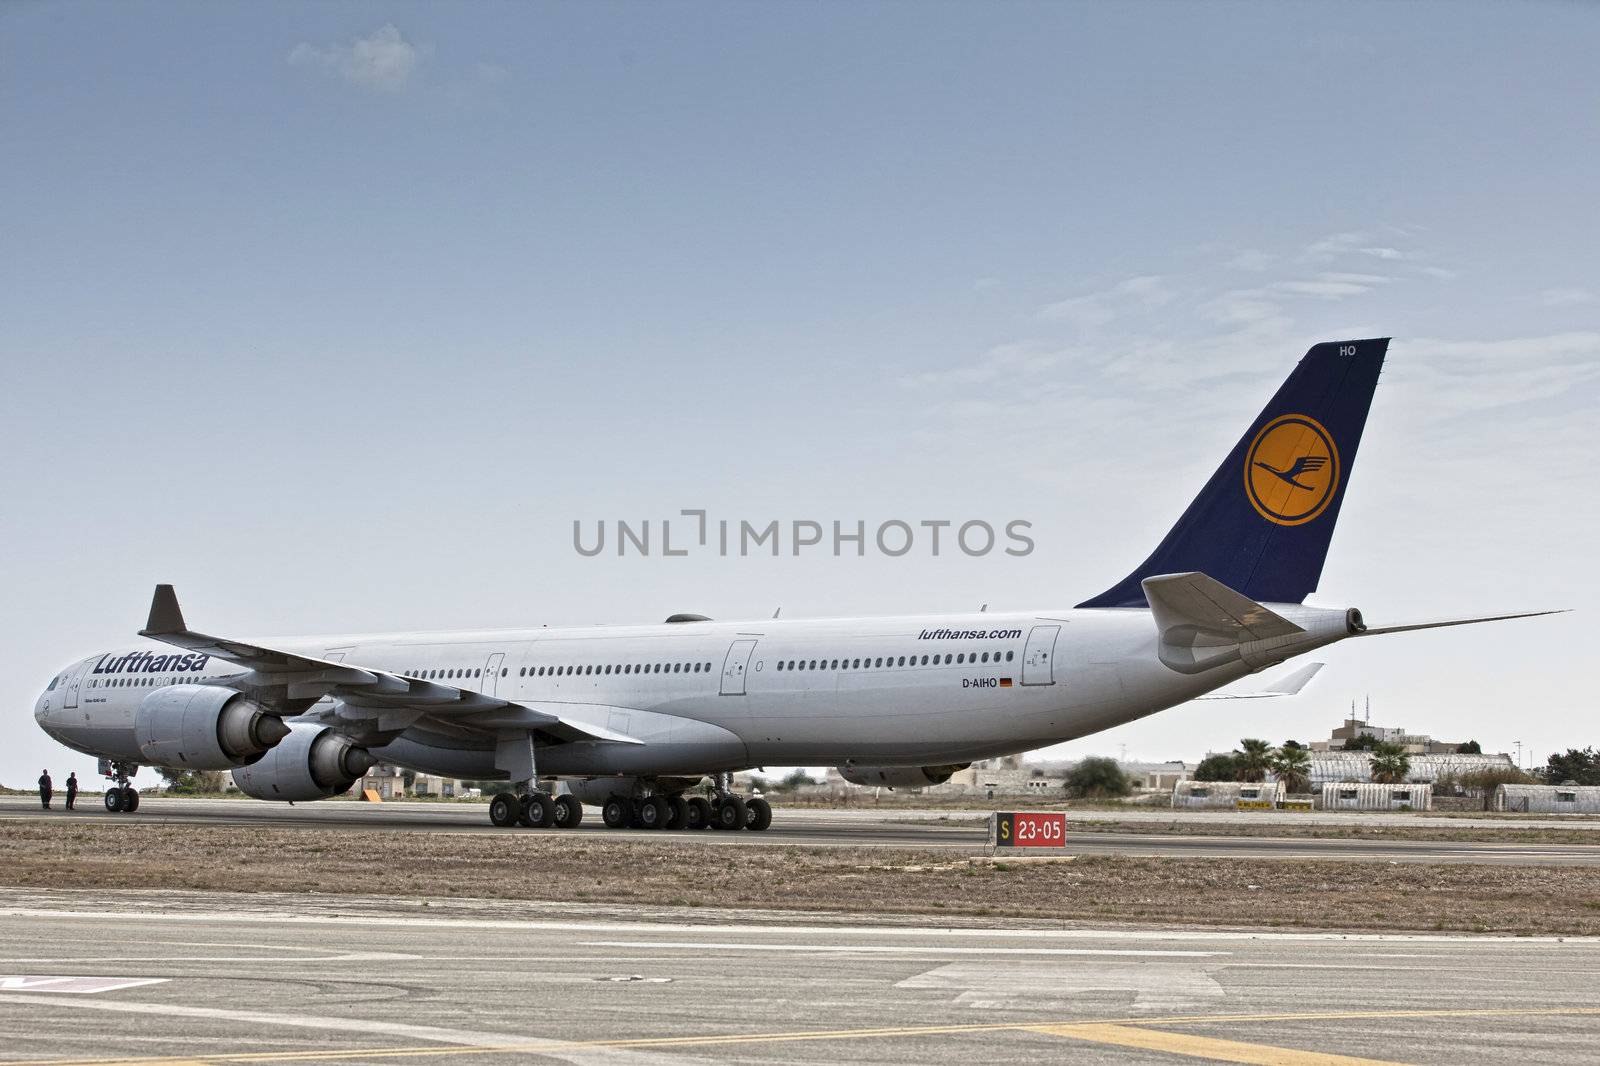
[1262, 524]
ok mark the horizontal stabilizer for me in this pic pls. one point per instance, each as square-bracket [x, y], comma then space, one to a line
[1194, 610]
[1411, 626]
[1286, 686]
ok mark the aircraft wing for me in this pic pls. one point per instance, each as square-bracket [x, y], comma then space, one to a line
[288, 684]
[1285, 686]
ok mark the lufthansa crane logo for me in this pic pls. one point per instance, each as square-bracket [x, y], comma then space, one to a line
[1291, 470]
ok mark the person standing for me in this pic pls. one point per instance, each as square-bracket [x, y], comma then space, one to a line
[72, 790]
[46, 787]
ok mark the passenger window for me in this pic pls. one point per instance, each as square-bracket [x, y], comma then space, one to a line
[1009, 654]
[902, 661]
[948, 658]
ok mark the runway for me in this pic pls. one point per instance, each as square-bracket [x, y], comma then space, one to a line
[264, 979]
[961, 834]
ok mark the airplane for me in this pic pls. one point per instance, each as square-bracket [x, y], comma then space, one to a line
[633, 719]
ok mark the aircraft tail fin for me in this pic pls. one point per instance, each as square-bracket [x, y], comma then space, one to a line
[1262, 524]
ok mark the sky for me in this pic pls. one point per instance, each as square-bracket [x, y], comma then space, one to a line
[339, 317]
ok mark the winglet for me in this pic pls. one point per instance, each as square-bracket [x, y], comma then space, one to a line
[165, 615]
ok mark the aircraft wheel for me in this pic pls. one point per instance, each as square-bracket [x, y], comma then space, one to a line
[698, 814]
[616, 813]
[680, 812]
[569, 812]
[730, 813]
[130, 799]
[505, 810]
[114, 800]
[654, 813]
[757, 815]
[538, 811]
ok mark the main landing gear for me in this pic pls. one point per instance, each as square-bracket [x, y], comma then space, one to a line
[535, 810]
[723, 810]
[121, 798]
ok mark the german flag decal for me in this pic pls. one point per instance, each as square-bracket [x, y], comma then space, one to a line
[1005, 682]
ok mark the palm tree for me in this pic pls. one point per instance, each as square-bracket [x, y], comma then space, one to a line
[1390, 763]
[1255, 759]
[1292, 764]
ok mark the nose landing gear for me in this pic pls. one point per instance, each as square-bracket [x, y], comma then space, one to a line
[121, 798]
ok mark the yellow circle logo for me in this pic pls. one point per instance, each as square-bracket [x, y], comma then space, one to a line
[1291, 470]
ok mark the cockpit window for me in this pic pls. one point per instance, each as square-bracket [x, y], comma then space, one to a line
[53, 681]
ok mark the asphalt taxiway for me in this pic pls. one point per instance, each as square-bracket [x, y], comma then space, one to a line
[961, 832]
[273, 978]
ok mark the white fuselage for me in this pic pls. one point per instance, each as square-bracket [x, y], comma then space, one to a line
[709, 696]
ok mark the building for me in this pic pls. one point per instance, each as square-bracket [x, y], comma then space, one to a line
[1008, 776]
[1547, 799]
[434, 785]
[1367, 796]
[1413, 743]
[1226, 794]
[1156, 776]
[1334, 767]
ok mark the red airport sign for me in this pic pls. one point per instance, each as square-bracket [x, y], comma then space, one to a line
[1028, 829]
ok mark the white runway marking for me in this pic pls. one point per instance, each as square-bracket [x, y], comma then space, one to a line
[756, 928]
[557, 1049]
[894, 949]
[83, 986]
[1045, 985]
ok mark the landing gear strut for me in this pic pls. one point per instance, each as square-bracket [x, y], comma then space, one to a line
[121, 798]
[731, 811]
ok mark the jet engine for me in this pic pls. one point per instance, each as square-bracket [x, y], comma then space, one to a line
[313, 763]
[204, 727]
[900, 776]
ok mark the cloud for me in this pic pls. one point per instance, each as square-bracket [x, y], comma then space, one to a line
[1353, 242]
[1099, 308]
[1453, 378]
[1250, 259]
[383, 61]
[1331, 285]
[1001, 361]
[1566, 297]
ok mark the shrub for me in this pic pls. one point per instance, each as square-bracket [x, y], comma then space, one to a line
[1097, 778]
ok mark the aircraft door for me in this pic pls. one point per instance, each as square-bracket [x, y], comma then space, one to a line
[74, 679]
[491, 674]
[1038, 666]
[735, 665]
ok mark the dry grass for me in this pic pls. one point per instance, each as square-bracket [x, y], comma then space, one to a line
[534, 866]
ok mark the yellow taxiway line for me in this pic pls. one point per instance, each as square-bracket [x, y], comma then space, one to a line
[1142, 1033]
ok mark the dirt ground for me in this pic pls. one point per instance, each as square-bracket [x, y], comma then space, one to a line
[1100, 889]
